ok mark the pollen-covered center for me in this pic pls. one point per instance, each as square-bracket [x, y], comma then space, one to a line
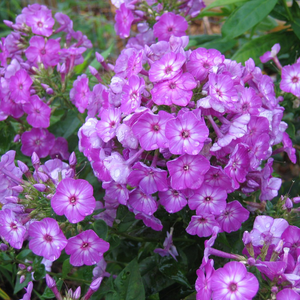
[295, 79]
[21, 87]
[185, 134]
[186, 167]
[170, 29]
[40, 24]
[43, 51]
[207, 198]
[85, 245]
[48, 238]
[172, 85]
[232, 287]
[13, 226]
[37, 142]
[156, 127]
[168, 70]
[73, 200]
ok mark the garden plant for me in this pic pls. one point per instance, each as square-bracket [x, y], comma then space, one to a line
[167, 170]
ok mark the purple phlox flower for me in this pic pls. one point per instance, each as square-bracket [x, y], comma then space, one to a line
[46, 239]
[150, 130]
[44, 52]
[256, 127]
[97, 157]
[202, 225]
[192, 8]
[124, 18]
[186, 134]
[82, 40]
[223, 93]
[216, 177]
[88, 137]
[135, 64]
[132, 94]
[19, 86]
[41, 22]
[291, 238]
[237, 167]
[60, 149]
[74, 199]
[71, 57]
[202, 60]
[150, 221]
[11, 228]
[270, 54]
[99, 100]
[99, 270]
[126, 137]
[267, 230]
[169, 66]
[266, 88]
[149, 179]
[233, 282]
[156, 51]
[203, 282]
[177, 90]
[232, 68]
[249, 101]
[109, 215]
[233, 129]
[66, 24]
[187, 171]
[116, 191]
[269, 188]
[290, 79]
[172, 200]
[208, 200]
[169, 24]
[10, 71]
[142, 202]
[37, 140]
[38, 112]
[27, 295]
[288, 147]
[232, 217]
[117, 167]
[271, 269]
[287, 294]
[86, 248]
[80, 94]
[106, 127]
[169, 248]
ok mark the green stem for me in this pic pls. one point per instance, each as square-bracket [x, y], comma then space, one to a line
[287, 11]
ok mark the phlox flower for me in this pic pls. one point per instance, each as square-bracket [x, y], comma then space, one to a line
[40, 51]
[19, 86]
[142, 202]
[287, 294]
[203, 282]
[41, 22]
[172, 200]
[74, 199]
[187, 171]
[150, 130]
[149, 221]
[80, 94]
[37, 140]
[186, 134]
[270, 54]
[46, 239]
[290, 79]
[169, 248]
[177, 90]
[232, 217]
[169, 24]
[124, 18]
[167, 67]
[86, 248]
[27, 295]
[233, 282]
[38, 112]
[11, 229]
[202, 225]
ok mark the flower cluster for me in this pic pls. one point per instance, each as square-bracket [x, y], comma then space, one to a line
[272, 247]
[181, 128]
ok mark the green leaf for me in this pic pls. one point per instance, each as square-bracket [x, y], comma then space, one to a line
[23, 254]
[246, 16]
[101, 229]
[295, 9]
[279, 13]
[39, 272]
[267, 24]
[129, 284]
[257, 47]
[296, 27]
[220, 44]
[3, 295]
[221, 3]
[19, 286]
[66, 268]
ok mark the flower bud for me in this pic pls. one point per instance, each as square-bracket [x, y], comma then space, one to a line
[77, 293]
[22, 167]
[40, 187]
[22, 279]
[73, 160]
[50, 281]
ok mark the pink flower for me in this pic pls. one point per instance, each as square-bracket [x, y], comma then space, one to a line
[186, 134]
[270, 54]
[41, 22]
[167, 67]
[172, 200]
[46, 239]
[74, 199]
[233, 282]
[37, 140]
[142, 202]
[80, 94]
[177, 90]
[169, 24]
[38, 112]
[86, 248]
[124, 18]
[19, 86]
[106, 127]
[232, 217]
[290, 81]
[202, 225]
[44, 52]
[187, 171]
[11, 229]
